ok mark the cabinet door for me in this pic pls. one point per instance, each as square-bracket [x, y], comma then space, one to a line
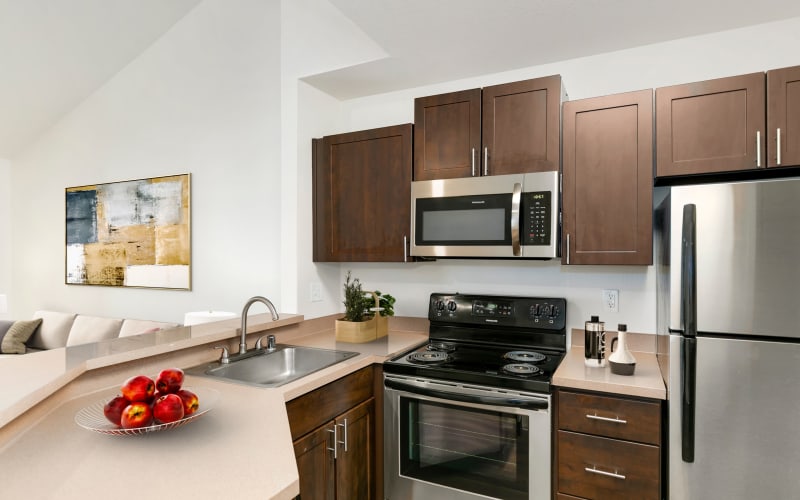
[608, 178]
[783, 117]
[447, 135]
[315, 463]
[362, 195]
[355, 462]
[521, 127]
[711, 126]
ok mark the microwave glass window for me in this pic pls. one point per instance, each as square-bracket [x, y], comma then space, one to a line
[464, 225]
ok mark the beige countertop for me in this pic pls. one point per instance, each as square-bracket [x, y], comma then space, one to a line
[242, 448]
[646, 380]
[38, 375]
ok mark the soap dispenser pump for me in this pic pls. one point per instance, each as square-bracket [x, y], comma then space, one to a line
[621, 360]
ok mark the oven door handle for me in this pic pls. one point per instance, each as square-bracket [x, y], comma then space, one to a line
[510, 401]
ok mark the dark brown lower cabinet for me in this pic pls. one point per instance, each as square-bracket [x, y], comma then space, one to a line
[333, 429]
[315, 464]
[607, 447]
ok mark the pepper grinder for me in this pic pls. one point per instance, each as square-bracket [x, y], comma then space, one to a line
[594, 343]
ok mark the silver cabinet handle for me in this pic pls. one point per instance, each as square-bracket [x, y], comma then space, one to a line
[615, 420]
[486, 161]
[594, 470]
[473, 162]
[344, 426]
[779, 146]
[758, 148]
[405, 248]
[335, 441]
[567, 248]
[516, 196]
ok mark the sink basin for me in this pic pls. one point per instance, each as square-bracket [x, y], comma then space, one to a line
[272, 369]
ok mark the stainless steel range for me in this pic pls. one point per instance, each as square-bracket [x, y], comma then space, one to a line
[468, 414]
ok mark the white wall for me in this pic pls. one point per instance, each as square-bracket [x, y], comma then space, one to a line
[5, 233]
[203, 99]
[698, 58]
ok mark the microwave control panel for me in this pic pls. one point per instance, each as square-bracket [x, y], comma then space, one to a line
[536, 216]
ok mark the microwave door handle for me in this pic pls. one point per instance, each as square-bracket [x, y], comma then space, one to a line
[516, 196]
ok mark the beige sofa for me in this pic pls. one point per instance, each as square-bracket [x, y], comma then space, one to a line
[59, 329]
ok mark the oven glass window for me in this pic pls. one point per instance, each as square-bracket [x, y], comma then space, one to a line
[479, 451]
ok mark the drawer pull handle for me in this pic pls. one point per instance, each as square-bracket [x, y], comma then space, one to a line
[604, 473]
[615, 420]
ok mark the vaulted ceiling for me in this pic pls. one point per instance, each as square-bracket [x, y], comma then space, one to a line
[54, 54]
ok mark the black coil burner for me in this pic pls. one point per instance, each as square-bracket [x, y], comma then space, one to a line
[442, 346]
[525, 356]
[521, 369]
[428, 357]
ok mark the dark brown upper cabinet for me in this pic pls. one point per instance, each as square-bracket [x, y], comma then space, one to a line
[503, 129]
[362, 195]
[783, 117]
[608, 180]
[711, 126]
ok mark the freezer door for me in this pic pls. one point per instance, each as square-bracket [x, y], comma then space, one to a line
[748, 257]
[747, 407]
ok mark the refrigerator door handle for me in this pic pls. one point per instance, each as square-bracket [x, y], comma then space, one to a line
[689, 272]
[689, 326]
[688, 371]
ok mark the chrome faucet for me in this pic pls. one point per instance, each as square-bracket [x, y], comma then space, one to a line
[253, 300]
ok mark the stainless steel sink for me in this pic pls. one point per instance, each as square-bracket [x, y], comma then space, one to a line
[273, 368]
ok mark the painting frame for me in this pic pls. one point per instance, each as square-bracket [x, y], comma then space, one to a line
[131, 234]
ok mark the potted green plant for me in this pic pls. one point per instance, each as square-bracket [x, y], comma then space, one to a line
[365, 313]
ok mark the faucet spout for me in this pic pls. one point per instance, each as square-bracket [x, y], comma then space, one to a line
[250, 302]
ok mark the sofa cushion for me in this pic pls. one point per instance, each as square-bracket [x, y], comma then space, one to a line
[14, 334]
[53, 331]
[86, 329]
[138, 326]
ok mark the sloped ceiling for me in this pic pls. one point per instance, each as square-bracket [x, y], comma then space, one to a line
[431, 41]
[54, 54]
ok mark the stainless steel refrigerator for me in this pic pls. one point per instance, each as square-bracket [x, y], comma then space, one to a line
[728, 279]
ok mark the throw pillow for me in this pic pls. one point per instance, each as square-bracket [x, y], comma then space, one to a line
[15, 334]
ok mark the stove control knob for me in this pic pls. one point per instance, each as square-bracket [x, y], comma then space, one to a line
[451, 306]
[553, 312]
[439, 305]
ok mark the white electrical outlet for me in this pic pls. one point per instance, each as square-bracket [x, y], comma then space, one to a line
[611, 300]
[316, 292]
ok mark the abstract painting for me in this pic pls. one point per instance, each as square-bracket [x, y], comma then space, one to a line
[131, 234]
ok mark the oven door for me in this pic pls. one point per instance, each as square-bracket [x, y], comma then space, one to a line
[445, 440]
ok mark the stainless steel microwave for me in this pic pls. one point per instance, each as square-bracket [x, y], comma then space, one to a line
[498, 216]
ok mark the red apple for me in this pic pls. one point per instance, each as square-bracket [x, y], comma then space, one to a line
[168, 408]
[169, 380]
[138, 388]
[190, 402]
[136, 414]
[113, 409]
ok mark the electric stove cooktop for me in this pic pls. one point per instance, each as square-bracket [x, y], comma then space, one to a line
[496, 341]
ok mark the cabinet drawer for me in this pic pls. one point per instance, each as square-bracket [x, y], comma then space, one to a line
[596, 467]
[611, 417]
[311, 410]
